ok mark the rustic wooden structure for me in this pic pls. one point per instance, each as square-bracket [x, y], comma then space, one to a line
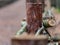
[30, 40]
[34, 15]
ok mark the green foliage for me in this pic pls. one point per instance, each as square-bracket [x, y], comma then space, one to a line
[58, 10]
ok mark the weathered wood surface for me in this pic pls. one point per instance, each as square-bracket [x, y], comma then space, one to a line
[29, 42]
[26, 36]
[26, 39]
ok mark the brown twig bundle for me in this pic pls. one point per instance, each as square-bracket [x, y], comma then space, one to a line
[34, 16]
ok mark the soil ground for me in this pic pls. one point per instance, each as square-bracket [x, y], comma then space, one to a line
[10, 20]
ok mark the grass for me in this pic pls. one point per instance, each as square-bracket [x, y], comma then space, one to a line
[58, 10]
